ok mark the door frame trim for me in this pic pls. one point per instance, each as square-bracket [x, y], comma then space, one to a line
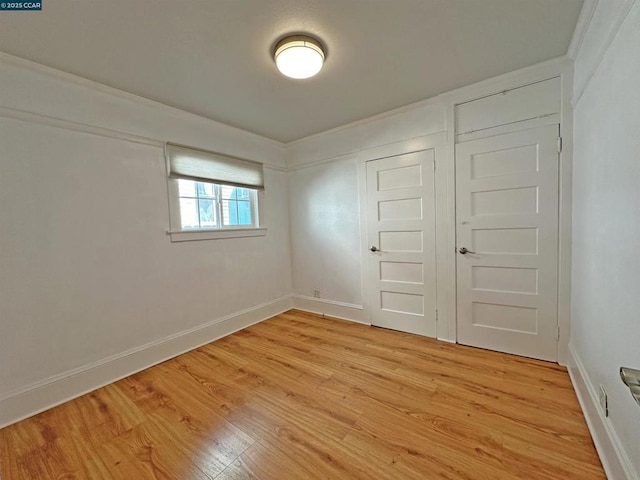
[564, 71]
[438, 143]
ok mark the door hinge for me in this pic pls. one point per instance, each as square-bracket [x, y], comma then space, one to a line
[436, 315]
[559, 144]
[558, 333]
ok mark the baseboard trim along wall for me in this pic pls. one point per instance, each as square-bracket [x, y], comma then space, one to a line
[331, 308]
[612, 454]
[43, 395]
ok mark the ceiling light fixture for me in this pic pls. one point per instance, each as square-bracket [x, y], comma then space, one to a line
[299, 56]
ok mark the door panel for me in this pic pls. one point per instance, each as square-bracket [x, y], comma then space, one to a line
[507, 217]
[401, 222]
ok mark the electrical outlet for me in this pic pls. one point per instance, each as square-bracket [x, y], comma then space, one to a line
[604, 403]
[316, 293]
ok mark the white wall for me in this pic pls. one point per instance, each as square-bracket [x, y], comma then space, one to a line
[88, 271]
[326, 238]
[606, 230]
[326, 231]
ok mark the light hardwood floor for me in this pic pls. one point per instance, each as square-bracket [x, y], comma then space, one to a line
[303, 397]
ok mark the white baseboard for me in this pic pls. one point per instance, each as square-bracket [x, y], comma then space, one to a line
[331, 308]
[43, 395]
[612, 454]
[447, 340]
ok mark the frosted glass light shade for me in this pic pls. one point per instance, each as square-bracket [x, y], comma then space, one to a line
[299, 56]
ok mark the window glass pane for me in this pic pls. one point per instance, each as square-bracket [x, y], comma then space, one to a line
[207, 205]
[186, 188]
[229, 212]
[189, 213]
[243, 193]
[244, 213]
[204, 189]
[207, 213]
[228, 193]
[236, 212]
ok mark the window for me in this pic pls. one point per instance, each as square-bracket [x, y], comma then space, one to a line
[212, 195]
[208, 205]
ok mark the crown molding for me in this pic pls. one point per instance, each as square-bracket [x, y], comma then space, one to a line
[584, 20]
[55, 122]
[51, 72]
[517, 78]
[323, 161]
[380, 116]
[605, 45]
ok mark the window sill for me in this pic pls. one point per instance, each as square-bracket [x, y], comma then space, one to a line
[215, 234]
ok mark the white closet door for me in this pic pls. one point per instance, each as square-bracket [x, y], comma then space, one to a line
[507, 220]
[401, 223]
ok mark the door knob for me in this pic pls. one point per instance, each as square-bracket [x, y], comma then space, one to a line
[464, 251]
[374, 249]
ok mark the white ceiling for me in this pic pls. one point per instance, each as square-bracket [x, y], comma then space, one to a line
[213, 57]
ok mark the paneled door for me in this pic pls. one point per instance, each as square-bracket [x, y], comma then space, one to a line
[507, 241]
[402, 257]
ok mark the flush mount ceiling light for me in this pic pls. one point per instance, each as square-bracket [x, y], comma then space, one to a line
[299, 56]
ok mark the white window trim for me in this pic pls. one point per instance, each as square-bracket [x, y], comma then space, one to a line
[215, 234]
[177, 234]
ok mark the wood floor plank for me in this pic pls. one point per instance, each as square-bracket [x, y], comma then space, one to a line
[522, 455]
[461, 455]
[188, 417]
[145, 453]
[238, 470]
[301, 396]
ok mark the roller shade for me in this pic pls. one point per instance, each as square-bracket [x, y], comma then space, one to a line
[204, 166]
